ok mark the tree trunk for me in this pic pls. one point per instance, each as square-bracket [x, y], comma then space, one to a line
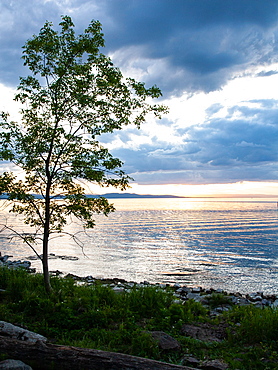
[46, 277]
[49, 356]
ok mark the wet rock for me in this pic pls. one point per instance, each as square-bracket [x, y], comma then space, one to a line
[253, 297]
[194, 296]
[266, 302]
[74, 277]
[4, 258]
[196, 289]
[56, 273]
[221, 309]
[16, 264]
[240, 301]
[180, 291]
[219, 291]
[186, 290]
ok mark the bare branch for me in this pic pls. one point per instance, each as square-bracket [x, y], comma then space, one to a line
[22, 236]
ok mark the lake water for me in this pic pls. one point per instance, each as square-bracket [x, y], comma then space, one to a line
[221, 243]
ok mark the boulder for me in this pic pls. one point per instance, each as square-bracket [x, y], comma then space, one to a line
[214, 365]
[16, 332]
[14, 365]
[165, 341]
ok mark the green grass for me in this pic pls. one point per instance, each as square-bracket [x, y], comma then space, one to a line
[97, 317]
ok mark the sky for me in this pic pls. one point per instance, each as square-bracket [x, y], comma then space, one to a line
[216, 63]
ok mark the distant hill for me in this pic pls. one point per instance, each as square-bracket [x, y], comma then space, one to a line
[113, 196]
[131, 195]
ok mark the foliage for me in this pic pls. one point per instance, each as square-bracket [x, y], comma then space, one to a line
[97, 317]
[74, 95]
[218, 299]
[257, 325]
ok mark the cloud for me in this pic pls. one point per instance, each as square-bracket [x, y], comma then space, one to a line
[189, 49]
[239, 146]
[195, 45]
[186, 46]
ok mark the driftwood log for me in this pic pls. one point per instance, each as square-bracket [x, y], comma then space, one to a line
[44, 356]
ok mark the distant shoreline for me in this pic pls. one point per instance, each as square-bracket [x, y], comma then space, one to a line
[131, 195]
[165, 196]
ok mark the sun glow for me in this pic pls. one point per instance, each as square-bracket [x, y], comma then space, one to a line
[238, 189]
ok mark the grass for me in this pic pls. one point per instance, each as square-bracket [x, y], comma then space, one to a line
[97, 317]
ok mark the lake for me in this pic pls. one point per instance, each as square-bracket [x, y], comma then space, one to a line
[220, 243]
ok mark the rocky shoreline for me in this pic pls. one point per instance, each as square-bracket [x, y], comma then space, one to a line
[219, 299]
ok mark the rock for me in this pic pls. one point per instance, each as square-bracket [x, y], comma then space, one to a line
[14, 365]
[254, 297]
[221, 309]
[4, 258]
[118, 289]
[129, 285]
[163, 286]
[16, 332]
[219, 291]
[16, 264]
[72, 276]
[23, 264]
[56, 273]
[214, 365]
[185, 289]
[196, 290]
[240, 301]
[258, 304]
[195, 296]
[205, 331]
[179, 291]
[190, 361]
[266, 302]
[165, 341]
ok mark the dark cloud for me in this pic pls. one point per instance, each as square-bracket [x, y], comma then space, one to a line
[19, 21]
[202, 43]
[267, 74]
[191, 45]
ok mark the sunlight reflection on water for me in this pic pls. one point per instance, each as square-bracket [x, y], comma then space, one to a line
[229, 244]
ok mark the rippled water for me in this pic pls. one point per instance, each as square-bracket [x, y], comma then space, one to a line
[230, 244]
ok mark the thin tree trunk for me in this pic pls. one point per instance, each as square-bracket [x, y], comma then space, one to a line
[46, 240]
[46, 277]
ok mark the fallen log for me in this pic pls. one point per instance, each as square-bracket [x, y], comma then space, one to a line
[16, 332]
[44, 356]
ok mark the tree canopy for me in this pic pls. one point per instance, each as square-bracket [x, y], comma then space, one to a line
[73, 95]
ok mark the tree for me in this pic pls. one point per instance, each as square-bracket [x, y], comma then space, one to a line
[74, 95]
